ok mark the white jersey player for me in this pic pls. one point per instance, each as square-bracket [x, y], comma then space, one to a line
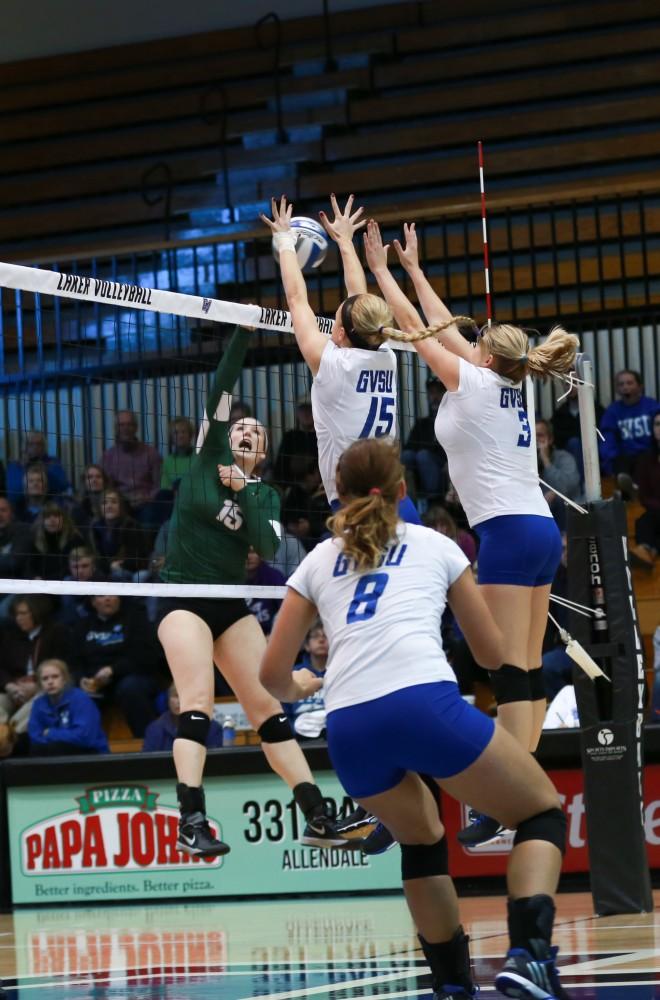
[354, 391]
[394, 712]
[482, 425]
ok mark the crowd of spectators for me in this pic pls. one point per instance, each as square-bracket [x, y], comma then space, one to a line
[72, 655]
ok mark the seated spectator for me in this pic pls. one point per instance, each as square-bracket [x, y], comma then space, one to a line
[563, 711]
[35, 494]
[120, 542]
[115, 658]
[53, 537]
[35, 453]
[260, 574]
[15, 544]
[626, 424]
[63, 720]
[647, 527]
[32, 636]
[161, 733]
[298, 448]
[566, 427]
[82, 569]
[289, 555]
[558, 469]
[308, 716]
[88, 507]
[441, 520]
[305, 508]
[134, 467]
[424, 459]
[177, 463]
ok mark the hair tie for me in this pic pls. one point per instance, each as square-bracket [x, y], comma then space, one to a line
[523, 359]
[375, 491]
[380, 329]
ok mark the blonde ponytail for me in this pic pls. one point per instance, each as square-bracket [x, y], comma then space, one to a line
[514, 358]
[555, 356]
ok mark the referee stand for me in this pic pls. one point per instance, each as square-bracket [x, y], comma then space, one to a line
[611, 709]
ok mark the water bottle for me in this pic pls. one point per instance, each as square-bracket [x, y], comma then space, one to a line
[228, 731]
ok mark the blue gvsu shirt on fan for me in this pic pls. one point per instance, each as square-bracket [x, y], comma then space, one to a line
[628, 430]
[73, 719]
[383, 625]
[354, 395]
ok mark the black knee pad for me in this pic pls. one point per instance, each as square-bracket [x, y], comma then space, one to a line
[536, 685]
[549, 825]
[193, 726]
[424, 860]
[510, 684]
[277, 729]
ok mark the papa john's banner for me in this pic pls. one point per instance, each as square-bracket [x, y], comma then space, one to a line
[118, 842]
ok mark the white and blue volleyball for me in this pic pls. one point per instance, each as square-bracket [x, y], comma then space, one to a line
[311, 242]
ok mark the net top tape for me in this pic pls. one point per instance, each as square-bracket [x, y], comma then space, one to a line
[103, 589]
[114, 293]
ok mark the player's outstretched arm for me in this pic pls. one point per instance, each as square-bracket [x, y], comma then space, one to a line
[342, 230]
[308, 336]
[443, 363]
[293, 621]
[433, 307]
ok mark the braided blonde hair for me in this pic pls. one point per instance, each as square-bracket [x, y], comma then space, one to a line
[514, 358]
[368, 476]
[372, 319]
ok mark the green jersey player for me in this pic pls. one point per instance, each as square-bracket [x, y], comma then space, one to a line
[222, 509]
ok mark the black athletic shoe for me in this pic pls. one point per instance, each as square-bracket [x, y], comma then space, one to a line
[529, 978]
[196, 837]
[357, 825]
[379, 841]
[480, 830]
[321, 831]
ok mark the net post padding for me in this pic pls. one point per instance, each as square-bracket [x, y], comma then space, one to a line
[611, 715]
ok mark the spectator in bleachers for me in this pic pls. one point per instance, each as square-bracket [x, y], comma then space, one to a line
[121, 543]
[94, 482]
[647, 477]
[35, 493]
[82, 569]
[441, 520]
[260, 574]
[15, 544]
[289, 555]
[161, 733]
[32, 636]
[298, 448]
[626, 424]
[115, 658]
[177, 463]
[35, 453]
[134, 467]
[53, 536]
[305, 507]
[566, 427]
[558, 469]
[63, 719]
[308, 716]
[423, 457]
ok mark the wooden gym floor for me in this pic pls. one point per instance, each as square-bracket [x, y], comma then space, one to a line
[327, 948]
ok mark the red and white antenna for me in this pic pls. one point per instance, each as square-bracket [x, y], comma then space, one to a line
[484, 227]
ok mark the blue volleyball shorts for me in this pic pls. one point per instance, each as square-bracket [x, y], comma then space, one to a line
[521, 550]
[427, 728]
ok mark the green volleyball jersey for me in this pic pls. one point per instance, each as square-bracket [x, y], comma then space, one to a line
[213, 527]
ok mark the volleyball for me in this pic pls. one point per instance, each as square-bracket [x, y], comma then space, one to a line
[311, 242]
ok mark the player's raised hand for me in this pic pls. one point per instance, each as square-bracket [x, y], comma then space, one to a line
[307, 683]
[345, 223]
[375, 250]
[281, 221]
[232, 477]
[408, 255]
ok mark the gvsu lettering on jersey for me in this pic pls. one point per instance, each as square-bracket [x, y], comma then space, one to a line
[370, 381]
[511, 399]
[391, 557]
[634, 427]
